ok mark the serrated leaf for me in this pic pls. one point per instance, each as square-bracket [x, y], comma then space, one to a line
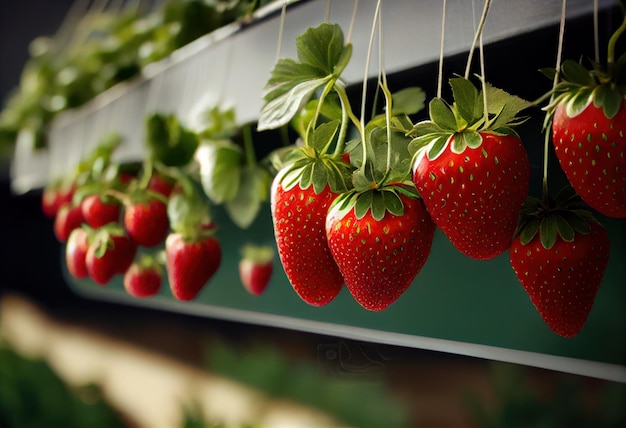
[466, 99]
[564, 228]
[321, 137]
[424, 128]
[408, 101]
[504, 105]
[220, 167]
[321, 47]
[253, 190]
[281, 109]
[441, 115]
[548, 231]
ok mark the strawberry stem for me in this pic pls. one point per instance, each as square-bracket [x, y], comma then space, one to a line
[248, 145]
[613, 41]
[479, 31]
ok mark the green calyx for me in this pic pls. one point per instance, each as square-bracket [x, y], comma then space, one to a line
[379, 201]
[561, 217]
[460, 125]
[310, 168]
[579, 87]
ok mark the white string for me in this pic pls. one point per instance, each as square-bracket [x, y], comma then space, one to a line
[281, 28]
[441, 50]
[596, 36]
[352, 21]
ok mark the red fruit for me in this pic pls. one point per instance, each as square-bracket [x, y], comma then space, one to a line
[99, 210]
[147, 222]
[380, 258]
[475, 196]
[255, 268]
[76, 252]
[68, 218]
[108, 256]
[299, 216]
[190, 264]
[591, 149]
[54, 197]
[160, 184]
[562, 281]
[142, 281]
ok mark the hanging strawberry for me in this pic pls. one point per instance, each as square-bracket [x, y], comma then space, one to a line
[589, 130]
[559, 256]
[312, 175]
[471, 168]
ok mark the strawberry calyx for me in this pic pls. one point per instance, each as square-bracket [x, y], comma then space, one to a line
[379, 200]
[259, 254]
[188, 212]
[149, 262]
[562, 217]
[460, 124]
[102, 237]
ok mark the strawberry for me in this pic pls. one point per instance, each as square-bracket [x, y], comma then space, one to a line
[54, 197]
[255, 268]
[298, 215]
[379, 257]
[559, 257]
[76, 252]
[589, 135]
[100, 210]
[146, 221]
[190, 263]
[473, 174]
[143, 278]
[161, 184]
[69, 217]
[111, 252]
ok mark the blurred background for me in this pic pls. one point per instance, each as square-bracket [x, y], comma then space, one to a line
[74, 362]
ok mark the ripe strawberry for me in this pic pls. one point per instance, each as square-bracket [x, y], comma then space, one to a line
[68, 218]
[255, 268]
[560, 257]
[160, 184]
[146, 221]
[100, 210]
[472, 175]
[143, 278]
[589, 136]
[379, 258]
[54, 197]
[76, 252]
[190, 263]
[298, 217]
[110, 253]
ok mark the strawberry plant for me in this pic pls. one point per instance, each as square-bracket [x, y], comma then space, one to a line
[588, 116]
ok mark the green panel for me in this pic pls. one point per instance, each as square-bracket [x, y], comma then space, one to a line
[453, 298]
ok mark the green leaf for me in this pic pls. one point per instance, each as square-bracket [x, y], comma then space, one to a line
[577, 222]
[564, 228]
[466, 99]
[465, 139]
[393, 203]
[548, 231]
[322, 47]
[321, 137]
[504, 105]
[363, 204]
[408, 101]
[438, 146]
[253, 190]
[579, 102]
[220, 166]
[281, 109]
[441, 115]
[319, 176]
[424, 128]
[575, 72]
[168, 141]
[529, 231]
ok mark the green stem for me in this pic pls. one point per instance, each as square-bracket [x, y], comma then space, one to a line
[148, 170]
[343, 130]
[388, 105]
[248, 146]
[479, 31]
[313, 124]
[613, 41]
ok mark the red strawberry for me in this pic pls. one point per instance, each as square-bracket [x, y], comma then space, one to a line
[76, 252]
[54, 197]
[160, 184]
[143, 278]
[110, 253]
[68, 218]
[190, 264]
[589, 136]
[255, 268]
[299, 216]
[560, 257]
[379, 258]
[146, 221]
[472, 174]
[100, 210]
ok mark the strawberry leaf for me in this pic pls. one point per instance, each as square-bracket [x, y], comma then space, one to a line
[576, 73]
[322, 57]
[408, 101]
[168, 141]
[504, 105]
[253, 190]
[220, 167]
[467, 101]
[321, 137]
[442, 115]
